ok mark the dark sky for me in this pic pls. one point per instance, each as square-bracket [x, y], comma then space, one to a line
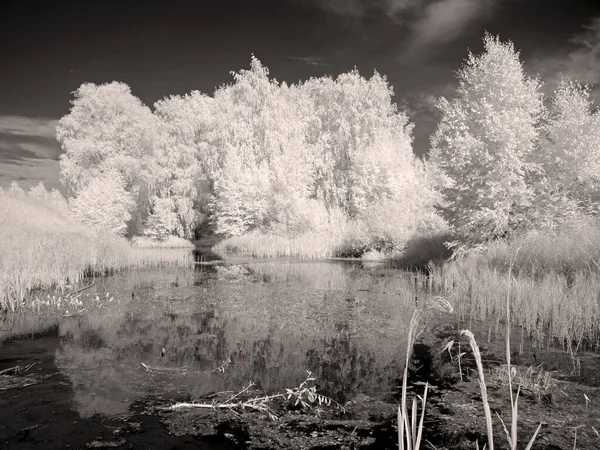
[172, 47]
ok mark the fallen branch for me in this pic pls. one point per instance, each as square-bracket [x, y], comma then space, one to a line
[17, 369]
[80, 290]
[163, 369]
[304, 395]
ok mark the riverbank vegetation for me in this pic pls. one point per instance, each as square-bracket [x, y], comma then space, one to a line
[325, 167]
[44, 246]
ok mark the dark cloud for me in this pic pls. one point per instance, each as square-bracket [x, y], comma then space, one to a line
[29, 151]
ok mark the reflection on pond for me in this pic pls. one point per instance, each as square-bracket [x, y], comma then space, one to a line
[167, 330]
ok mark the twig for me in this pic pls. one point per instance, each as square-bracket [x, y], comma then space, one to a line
[80, 290]
[17, 369]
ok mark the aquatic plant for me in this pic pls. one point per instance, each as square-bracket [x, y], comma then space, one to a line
[410, 434]
[167, 242]
[309, 245]
[554, 278]
[43, 246]
[514, 400]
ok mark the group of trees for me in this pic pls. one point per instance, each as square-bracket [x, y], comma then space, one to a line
[258, 154]
[509, 160]
[268, 156]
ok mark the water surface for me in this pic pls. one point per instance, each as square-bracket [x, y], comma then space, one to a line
[170, 335]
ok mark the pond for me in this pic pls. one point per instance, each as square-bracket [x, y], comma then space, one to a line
[106, 372]
[155, 337]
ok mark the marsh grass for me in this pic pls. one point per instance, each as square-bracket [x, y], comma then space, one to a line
[43, 247]
[348, 239]
[168, 242]
[410, 433]
[309, 245]
[555, 281]
[160, 257]
[514, 399]
[535, 380]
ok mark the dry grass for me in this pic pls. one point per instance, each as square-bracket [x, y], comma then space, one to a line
[168, 242]
[160, 257]
[555, 283]
[410, 433]
[309, 245]
[44, 247]
[535, 380]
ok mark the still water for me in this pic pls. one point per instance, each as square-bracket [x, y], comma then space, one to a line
[183, 334]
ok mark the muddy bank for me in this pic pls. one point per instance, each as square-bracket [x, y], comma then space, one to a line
[37, 398]
[568, 409]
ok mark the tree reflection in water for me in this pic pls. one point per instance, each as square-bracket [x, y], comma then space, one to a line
[274, 320]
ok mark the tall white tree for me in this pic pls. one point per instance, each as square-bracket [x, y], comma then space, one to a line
[570, 152]
[185, 164]
[104, 204]
[261, 130]
[108, 130]
[352, 114]
[484, 147]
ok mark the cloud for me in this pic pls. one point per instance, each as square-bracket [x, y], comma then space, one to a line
[428, 22]
[29, 171]
[442, 21]
[361, 8]
[26, 137]
[581, 62]
[28, 126]
[29, 151]
[310, 60]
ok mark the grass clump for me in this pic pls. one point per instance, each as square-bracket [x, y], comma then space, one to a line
[44, 247]
[555, 283]
[384, 230]
[168, 242]
[410, 433]
[309, 245]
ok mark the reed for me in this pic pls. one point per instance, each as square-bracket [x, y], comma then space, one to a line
[309, 245]
[555, 281]
[514, 399]
[410, 433]
[160, 257]
[43, 247]
[168, 242]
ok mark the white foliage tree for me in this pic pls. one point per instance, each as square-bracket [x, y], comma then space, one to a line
[485, 144]
[104, 204]
[107, 130]
[163, 220]
[262, 130]
[352, 114]
[184, 166]
[241, 196]
[570, 153]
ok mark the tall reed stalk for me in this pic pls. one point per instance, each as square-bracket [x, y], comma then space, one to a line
[410, 433]
[514, 400]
